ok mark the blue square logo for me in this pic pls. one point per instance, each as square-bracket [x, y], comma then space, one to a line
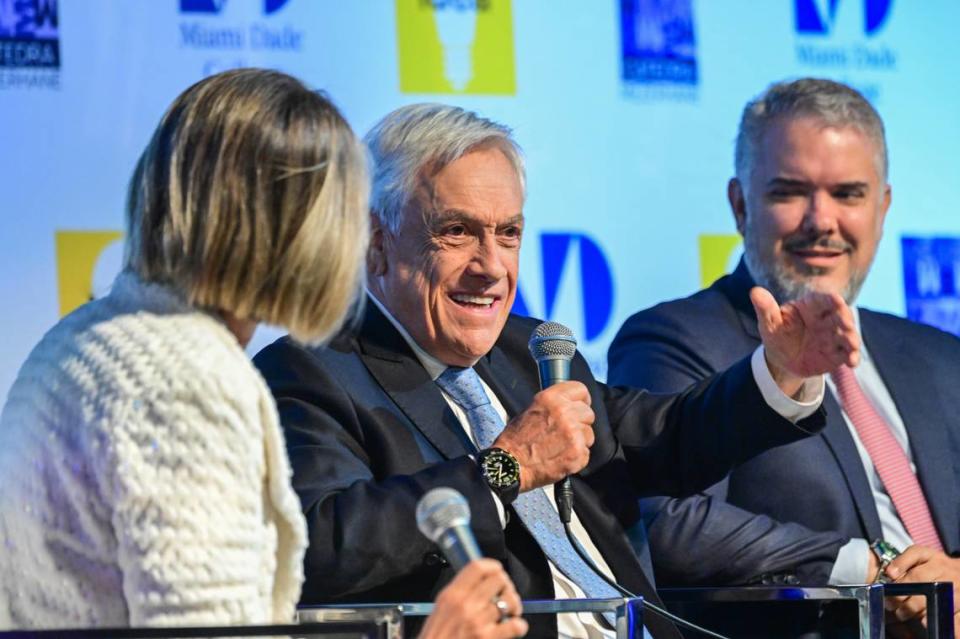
[931, 276]
[658, 43]
[29, 34]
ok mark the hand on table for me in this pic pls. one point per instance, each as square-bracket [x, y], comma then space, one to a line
[919, 564]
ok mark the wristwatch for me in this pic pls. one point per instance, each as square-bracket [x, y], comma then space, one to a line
[885, 553]
[501, 470]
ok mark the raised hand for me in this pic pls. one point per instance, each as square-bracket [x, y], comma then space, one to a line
[805, 338]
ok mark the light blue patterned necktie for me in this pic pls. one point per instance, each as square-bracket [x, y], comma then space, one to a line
[534, 507]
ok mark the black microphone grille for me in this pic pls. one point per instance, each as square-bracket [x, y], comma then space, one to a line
[439, 510]
[552, 340]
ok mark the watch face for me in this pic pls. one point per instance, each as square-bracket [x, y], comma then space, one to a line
[500, 469]
[885, 551]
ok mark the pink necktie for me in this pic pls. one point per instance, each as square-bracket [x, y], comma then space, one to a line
[888, 458]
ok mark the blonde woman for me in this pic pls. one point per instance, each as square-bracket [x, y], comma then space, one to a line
[143, 472]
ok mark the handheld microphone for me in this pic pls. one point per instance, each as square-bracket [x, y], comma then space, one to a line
[443, 516]
[553, 346]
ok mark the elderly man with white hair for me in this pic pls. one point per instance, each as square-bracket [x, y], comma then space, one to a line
[435, 387]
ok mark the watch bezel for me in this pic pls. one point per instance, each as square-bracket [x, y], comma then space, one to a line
[506, 490]
[493, 455]
[885, 554]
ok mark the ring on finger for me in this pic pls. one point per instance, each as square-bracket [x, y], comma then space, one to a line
[502, 608]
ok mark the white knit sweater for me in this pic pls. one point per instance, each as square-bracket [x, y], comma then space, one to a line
[143, 476]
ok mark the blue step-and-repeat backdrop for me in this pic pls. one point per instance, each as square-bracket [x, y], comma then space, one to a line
[627, 111]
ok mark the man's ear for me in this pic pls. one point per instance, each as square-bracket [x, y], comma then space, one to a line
[377, 250]
[885, 205]
[738, 203]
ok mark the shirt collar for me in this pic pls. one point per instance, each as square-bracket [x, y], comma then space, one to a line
[433, 366]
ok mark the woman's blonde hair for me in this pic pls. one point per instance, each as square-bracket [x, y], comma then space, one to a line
[251, 198]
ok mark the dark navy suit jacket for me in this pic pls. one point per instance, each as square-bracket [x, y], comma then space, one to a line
[790, 509]
[368, 432]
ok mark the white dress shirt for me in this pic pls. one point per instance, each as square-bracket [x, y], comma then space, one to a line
[852, 562]
[585, 625]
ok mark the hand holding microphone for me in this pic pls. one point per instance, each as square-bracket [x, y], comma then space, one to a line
[481, 601]
[552, 438]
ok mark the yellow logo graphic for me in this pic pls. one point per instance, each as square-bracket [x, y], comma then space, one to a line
[87, 262]
[456, 46]
[718, 256]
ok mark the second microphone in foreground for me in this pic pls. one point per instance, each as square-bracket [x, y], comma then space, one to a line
[443, 516]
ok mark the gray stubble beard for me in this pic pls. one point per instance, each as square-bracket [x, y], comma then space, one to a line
[785, 285]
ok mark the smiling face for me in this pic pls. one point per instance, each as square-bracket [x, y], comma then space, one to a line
[812, 213]
[450, 273]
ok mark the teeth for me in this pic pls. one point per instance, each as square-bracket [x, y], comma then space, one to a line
[474, 299]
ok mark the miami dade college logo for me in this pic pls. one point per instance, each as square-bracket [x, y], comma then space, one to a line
[234, 33]
[577, 288]
[216, 6]
[843, 37]
[811, 18]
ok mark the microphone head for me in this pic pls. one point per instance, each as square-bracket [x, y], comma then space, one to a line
[441, 509]
[552, 340]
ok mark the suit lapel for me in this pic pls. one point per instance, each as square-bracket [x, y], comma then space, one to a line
[396, 368]
[921, 418]
[736, 287]
[840, 442]
[495, 369]
[836, 434]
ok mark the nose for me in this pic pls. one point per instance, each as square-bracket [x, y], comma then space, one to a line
[488, 262]
[820, 218]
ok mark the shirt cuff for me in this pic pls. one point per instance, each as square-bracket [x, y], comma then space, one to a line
[811, 393]
[852, 563]
[501, 511]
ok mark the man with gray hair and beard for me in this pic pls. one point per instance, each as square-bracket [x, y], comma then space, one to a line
[809, 198]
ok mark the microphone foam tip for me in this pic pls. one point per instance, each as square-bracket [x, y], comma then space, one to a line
[439, 510]
[552, 340]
